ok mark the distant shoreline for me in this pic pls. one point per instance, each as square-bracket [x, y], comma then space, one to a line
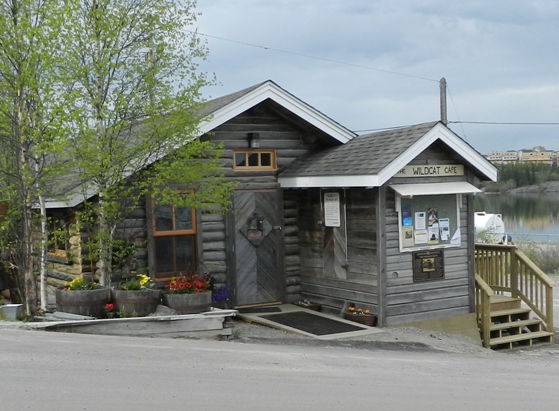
[549, 187]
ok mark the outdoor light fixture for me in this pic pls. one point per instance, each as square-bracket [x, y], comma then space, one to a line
[253, 140]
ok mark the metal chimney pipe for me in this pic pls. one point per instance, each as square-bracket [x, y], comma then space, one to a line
[444, 117]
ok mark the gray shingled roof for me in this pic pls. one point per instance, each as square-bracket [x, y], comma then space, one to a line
[367, 154]
[215, 104]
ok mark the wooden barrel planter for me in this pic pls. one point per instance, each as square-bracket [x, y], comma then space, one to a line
[189, 303]
[137, 303]
[83, 302]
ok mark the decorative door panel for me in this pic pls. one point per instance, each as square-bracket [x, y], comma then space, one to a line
[258, 240]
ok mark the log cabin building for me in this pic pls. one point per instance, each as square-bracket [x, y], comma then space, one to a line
[383, 220]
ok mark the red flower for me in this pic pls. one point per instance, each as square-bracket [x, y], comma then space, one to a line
[109, 307]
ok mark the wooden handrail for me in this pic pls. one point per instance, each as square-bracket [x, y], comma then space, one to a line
[525, 260]
[483, 309]
[483, 285]
[507, 270]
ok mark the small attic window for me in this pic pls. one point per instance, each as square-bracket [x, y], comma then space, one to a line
[254, 160]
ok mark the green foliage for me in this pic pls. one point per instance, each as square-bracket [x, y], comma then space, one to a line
[545, 256]
[31, 133]
[525, 174]
[139, 282]
[135, 98]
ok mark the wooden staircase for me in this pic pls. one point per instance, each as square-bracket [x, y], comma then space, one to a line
[511, 325]
[513, 297]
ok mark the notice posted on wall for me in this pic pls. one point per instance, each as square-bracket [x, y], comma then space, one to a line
[420, 220]
[408, 240]
[444, 226]
[332, 210]
[421, 237]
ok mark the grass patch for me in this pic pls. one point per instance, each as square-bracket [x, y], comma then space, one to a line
[545, 256]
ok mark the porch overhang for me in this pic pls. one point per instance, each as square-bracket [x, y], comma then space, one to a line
[329, 181]
[458, 187]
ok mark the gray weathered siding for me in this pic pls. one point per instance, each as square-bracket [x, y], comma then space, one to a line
[407, 301]
[361, 283]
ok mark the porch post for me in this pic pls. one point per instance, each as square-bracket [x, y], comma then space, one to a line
[513, 272]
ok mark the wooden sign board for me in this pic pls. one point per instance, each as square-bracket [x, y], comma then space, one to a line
[443, 170]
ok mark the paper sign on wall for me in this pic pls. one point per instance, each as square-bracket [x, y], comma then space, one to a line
[332, 209]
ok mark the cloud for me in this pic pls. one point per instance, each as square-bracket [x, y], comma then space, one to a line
[376, 64]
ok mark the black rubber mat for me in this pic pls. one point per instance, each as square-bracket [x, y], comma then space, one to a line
[256, 310]
[311, 323]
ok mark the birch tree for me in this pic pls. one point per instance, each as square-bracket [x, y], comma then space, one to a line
[135, 94]
[29, 127]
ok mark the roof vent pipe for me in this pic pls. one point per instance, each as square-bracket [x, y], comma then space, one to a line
[442, 85]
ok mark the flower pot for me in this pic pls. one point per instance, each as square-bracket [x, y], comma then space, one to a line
[138, 303]
[189, 303]
[82, 302]
[365, 319]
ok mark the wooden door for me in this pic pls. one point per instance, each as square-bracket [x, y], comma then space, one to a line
[335, 243]
[257, 250]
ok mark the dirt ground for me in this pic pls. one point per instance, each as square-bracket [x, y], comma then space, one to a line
[391, 339]
[396, 339]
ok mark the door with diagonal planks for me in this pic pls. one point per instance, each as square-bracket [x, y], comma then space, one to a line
[258, 250]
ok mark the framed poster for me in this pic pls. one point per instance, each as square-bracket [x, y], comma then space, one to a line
[428, 265]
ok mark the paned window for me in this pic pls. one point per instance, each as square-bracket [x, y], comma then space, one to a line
[174, 232]
[57, 247]
[254, 160]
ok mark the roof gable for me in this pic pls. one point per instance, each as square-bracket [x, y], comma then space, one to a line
[371, 160]
[225, 108]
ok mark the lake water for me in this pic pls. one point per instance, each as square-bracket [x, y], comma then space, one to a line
[527, 217]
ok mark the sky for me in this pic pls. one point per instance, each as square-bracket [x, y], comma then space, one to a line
[376, 64]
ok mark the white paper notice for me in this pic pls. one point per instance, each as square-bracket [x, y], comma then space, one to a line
[421, 236]
[420, 221]
[332, 209]
[444, 225]
[455, 240]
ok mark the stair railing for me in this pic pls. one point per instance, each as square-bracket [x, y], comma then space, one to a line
[483, 309]
[508, 271]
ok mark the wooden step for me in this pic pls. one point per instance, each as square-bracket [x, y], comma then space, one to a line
[514, 324]
[527, 338]
[504, 316]
[500, 302]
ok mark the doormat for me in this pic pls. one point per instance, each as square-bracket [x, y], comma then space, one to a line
[311, 323]
[256, 310]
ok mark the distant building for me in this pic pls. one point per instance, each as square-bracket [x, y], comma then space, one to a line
[538, 155]
[502, 157]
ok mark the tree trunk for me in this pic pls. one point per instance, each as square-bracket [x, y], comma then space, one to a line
[43, 254]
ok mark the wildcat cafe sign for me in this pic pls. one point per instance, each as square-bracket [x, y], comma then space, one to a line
[431, 171]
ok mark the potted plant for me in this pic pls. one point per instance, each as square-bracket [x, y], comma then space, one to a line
[82, 297]
[188, 294]
[360, 316]
[136, 297]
